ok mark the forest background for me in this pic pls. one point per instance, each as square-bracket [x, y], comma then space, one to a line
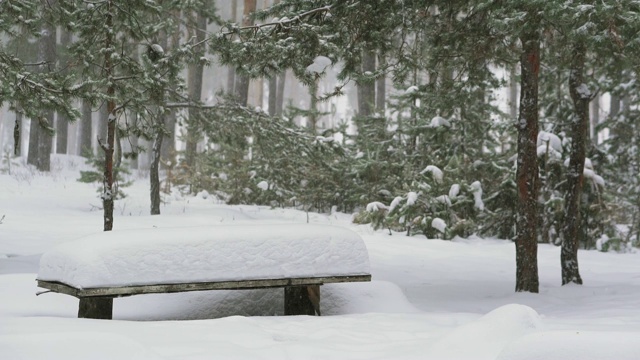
[513, 120]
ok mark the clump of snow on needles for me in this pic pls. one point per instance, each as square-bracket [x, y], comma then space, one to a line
[320, 63]
[375, 206]
[412, 197]
[263, 185]
[454, 191]
[439, 121]
[439, 225]
[438, 175]
[476, 188]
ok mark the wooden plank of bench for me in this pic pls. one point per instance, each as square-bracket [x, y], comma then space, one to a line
[121, 291]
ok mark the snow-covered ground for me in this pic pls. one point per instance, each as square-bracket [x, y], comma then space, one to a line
[429, 299]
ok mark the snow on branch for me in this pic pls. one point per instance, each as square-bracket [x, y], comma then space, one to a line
[282, 23]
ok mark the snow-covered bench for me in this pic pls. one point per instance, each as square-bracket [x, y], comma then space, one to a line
[297, 257]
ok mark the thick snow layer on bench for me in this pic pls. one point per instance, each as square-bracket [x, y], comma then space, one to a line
[205, 254]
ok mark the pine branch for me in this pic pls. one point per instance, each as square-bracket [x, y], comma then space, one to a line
[279, 23]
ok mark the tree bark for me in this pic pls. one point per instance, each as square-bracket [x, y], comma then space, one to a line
[231, 73]
[17, 134]
[581, 97]
[367, 90]
[195, 74]
[154, 175]
[381, 89]
[40, 136]
[86, 125]
[282, 77]
[313, 107]
[242, 81]
[62, 121]
[108, 195]
[273, 89]
[527, 169]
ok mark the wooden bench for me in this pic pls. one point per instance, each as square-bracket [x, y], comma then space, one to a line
[301, 295]
[63, 269]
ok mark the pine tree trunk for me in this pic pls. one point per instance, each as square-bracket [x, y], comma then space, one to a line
[581, 97]
[282, 78]
[513, 92]
[103, 122]
[313, 107]
[273, 89]
[595, 119]
[231, 73]
[242, 81]
[367, 90]
[17, 134]
[154, 176]
[527, 170]
[34, 138]
[195, 74]
[134, 141]
[108, 195]
[381, 88]
[86, 124]
[40, 137]
[62, 121]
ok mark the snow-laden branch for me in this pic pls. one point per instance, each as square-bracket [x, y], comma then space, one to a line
[280, 23]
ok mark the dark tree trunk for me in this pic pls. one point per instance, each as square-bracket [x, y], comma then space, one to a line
[313, 107]
[168, 151]
[231, 73]
[62, 122]
[280, 93]
[527, 170]
[381, 89]
[108, 195]
[367, 90]
[581, 97]
[154, 175]
[43, 135]
[195, 93]
[242, 81]
[595, 119]
[34, 138]
[513, 92]
[86, 124]
[273, 89]
[17, 134]
[103, 121]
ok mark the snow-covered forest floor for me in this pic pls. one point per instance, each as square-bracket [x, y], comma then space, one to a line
[428, 299]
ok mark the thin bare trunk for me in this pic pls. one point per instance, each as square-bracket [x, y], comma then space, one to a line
[581, 97]
[109, 195]
[242, 81]
[527, 170]
[313, 107]
[154, 176]
[17, 134]
[195, 93]
[280, 93]
[231, 73]
[367, 90]
[381, 88]
[40, 136]
[86, 124]
[62, 121]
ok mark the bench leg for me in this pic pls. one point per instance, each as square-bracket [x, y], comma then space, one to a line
[302, 300]
[96, 308]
